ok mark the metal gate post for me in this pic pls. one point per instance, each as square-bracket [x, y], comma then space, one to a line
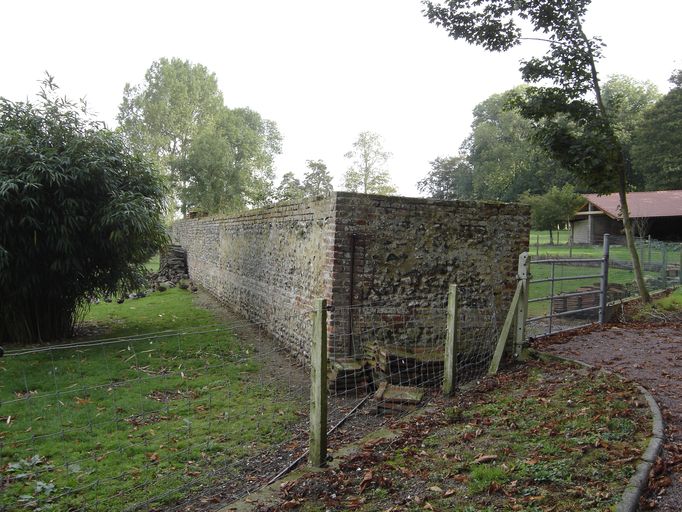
[664, 264]
[523, 275]
[604, 282]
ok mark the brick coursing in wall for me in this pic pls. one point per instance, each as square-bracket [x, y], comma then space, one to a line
[270, 264]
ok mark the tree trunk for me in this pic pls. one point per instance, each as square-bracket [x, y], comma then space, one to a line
[630, 239]
[623, 164]
[551, 240]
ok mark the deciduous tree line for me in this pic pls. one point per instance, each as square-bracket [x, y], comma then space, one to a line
[575, 120]
[504, 158]
[220, 159]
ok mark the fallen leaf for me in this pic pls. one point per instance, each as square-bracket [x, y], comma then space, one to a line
[369, 475]
[482, 459]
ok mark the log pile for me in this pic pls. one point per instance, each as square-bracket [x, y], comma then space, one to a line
[350, 377]
[413, 366]
[172, 269]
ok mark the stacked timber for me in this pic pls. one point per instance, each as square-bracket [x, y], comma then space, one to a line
[350, 377]
[563, 304]
[408, 366]
[393, 399]
[566, 303]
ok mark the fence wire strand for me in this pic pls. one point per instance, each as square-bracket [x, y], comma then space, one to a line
[196, 418]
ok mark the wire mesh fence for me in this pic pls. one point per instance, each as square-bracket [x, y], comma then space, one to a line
[398, 349]
[143, 422]
[195, 419]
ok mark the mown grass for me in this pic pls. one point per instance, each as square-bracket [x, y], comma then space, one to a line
[672, 302]
[547, 436]
[649, 255]
[544, 289]
[106, 426]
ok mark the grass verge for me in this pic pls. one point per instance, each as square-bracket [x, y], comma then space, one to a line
[107, 425]
[546, 436]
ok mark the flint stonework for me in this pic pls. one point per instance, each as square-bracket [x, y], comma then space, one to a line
[271, 264]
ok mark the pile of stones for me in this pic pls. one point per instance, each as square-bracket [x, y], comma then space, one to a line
[172, 270]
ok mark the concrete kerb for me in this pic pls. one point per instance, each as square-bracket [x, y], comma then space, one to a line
[629, 501]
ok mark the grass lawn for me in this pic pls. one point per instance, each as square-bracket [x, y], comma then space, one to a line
[648, 255]
[672, 302]
[153, 264]
[543, 271]
[546, 436]
[105, 426]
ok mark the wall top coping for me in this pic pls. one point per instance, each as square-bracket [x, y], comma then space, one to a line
[334, 197]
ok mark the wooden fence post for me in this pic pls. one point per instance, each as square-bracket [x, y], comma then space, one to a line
[318, 386]
[451, 343]
[516, 316]
[522, 311]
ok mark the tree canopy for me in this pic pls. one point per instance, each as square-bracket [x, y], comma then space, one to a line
[449, 178]
[317, 181]
[367, 173]
[506, 160]
[218, 159]
[163, 114]
[553, 208]
[80, 213]
[657, 141]
[290, 188]
[572, 118]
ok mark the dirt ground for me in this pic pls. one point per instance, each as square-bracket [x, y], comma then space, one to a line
[275, 363]
[650, 354]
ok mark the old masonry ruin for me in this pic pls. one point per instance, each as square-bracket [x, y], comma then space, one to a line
[353, 249]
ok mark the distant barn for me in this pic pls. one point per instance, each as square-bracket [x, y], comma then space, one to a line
[656, 214]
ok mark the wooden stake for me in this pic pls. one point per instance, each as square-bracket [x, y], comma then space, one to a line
[451, 343]
[318, 386]
[502, 340]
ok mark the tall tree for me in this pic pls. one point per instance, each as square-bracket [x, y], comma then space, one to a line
[575, 123]
[218, 159]
[229, 164]
[367, 173]
[80, 214]
[626, 101]
[553, 208]
[657, 141]
[164, 113]
[505, 159]
[449, 178]
[317, 181]
[290, 188]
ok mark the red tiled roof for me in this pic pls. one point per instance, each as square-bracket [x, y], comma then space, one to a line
[662, 203]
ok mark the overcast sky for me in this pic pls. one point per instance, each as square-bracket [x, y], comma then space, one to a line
[323, 70]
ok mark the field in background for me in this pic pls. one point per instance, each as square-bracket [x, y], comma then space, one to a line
[660, 263]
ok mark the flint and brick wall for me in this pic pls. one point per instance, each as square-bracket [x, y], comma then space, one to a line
[270, 264]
